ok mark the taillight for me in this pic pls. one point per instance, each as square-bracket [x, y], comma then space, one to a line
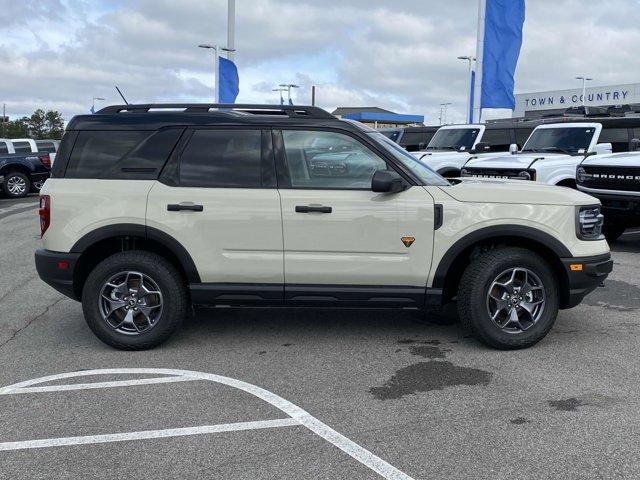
[45, 160]
[45, 213]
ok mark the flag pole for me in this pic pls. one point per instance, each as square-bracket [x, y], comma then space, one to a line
[216, 70]
[477, 96]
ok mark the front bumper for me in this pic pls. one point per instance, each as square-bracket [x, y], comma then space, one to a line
[584, 275]
[57, 270]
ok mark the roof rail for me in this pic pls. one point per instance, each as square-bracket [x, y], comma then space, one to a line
[293, 111]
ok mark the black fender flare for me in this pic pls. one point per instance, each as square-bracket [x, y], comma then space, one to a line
[138, 230]
[497, 231]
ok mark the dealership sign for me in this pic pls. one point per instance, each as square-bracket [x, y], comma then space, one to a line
[561, 99]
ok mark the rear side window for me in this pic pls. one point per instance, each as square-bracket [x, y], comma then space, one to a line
[222, 159]
[3, 148]
[22, 147]
[121, 155]
[412, 141]
[46, 147]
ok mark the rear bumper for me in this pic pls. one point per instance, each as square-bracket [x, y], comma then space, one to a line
[585, 276]
[57, 270]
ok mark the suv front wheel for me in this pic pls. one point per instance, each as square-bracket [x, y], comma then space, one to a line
[134, 300]
[508, 298]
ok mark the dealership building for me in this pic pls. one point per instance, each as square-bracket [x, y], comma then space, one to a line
[540, 104]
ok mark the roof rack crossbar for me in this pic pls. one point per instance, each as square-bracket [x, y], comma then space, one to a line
[293, 111]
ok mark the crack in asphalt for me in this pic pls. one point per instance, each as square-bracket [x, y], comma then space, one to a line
[30, 321]
[17, 287]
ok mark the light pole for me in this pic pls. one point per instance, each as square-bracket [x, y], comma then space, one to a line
[216, 68]
[288, 87]
[280, 90]
[584, 87]
[443, 112]
[93, 103]
[469, 106]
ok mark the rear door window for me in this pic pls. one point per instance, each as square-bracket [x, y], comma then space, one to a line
[3, 148]
[223, 158]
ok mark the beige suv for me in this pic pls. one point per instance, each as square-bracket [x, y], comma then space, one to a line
[152, 208]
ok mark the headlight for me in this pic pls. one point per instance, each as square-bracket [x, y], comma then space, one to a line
[464, 172]
[589, 223]
[524, 175]
[581, 175]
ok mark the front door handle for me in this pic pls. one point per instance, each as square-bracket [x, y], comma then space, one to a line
[313, 208]
[176, 207]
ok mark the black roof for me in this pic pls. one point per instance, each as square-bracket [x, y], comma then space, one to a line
[154, 116]
[347, 110]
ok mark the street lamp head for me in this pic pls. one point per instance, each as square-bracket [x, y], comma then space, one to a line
[225, 49]
[98, 98]
[206, 45]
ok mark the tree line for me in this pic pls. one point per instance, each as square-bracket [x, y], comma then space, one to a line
[40, 125]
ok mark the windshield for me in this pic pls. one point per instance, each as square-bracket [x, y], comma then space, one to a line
[424, 173]
[391, 134]
[453, 139]
[569, 140]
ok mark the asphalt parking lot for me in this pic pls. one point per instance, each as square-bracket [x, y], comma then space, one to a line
[378, 393]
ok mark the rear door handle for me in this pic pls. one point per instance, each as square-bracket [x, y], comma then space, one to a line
[176, 207]
[313, 208]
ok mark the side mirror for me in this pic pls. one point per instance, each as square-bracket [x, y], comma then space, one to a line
[603, 148]
[635, 144]
[481, 147]
[387, 181]
[513, 148]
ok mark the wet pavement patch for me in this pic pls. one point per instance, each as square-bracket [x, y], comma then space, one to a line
[428, 351]
[615, 295]
[566, 405]
[428, 376]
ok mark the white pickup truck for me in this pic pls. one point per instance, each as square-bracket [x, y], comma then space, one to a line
[550, 155]
[451, 147]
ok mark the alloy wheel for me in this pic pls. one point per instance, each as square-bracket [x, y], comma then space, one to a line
[516, 300]
[17, 185]
[130, 303]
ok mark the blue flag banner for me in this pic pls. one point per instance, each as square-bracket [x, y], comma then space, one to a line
[290, 102]
[92, 110]
[504, 20]
[229, 81]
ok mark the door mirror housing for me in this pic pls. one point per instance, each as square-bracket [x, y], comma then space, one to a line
[513, 148]
[603, 148]
[481, 147]
[387, 181]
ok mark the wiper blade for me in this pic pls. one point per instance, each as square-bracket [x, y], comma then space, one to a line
[557, 149]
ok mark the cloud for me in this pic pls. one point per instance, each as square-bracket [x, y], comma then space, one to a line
[398, 55]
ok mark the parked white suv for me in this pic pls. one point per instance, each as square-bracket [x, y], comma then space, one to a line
[152, 208]
[550, 155]
[451, 147]
[615, 181]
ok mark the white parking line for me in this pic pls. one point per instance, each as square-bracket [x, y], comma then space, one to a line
[89, 386]
[298, 416]
[147, 434]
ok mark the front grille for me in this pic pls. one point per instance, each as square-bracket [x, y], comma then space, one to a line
[610, 178]
[506, 173]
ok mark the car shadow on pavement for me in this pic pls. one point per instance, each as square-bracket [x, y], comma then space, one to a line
[629, 242]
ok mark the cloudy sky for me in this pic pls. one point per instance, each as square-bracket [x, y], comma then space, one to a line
[399, 54]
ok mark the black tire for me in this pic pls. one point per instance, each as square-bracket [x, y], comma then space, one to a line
[474, 288]
[10, 179]
[613, 232]
[170, 283]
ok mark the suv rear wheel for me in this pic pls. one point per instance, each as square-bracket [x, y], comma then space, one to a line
[134, 300]
[16, 185]
[508, 298]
